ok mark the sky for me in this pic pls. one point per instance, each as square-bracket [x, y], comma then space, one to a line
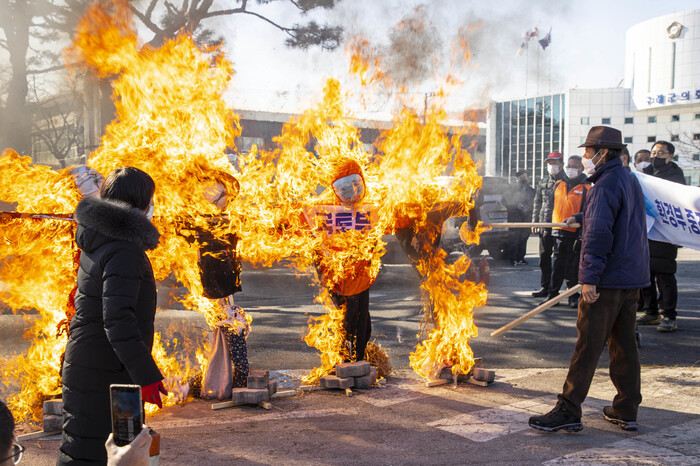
[587, 49]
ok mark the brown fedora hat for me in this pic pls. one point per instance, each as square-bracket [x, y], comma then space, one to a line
[604, 136]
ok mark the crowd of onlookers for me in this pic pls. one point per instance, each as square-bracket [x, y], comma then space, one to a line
[561, 194]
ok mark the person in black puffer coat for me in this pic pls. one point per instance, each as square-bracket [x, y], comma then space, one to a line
[111, 334]
[662, 256]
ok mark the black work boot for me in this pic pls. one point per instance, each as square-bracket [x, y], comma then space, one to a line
[625, 424]
[541, 293]
[558, 418]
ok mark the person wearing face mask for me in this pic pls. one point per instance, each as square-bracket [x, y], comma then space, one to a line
[642, 159]
[614, 267]
[111, 333]
[555, 163]
[566, 199]
[519, 204]
[662, 255]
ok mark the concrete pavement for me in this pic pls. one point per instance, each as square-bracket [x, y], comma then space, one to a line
[405, 422]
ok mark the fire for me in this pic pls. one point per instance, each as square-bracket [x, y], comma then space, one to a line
[38, 273]
[173, 123]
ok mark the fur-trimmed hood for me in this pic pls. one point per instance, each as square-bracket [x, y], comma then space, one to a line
[112, 220]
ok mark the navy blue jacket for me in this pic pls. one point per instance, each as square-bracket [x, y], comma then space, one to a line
[614, 248]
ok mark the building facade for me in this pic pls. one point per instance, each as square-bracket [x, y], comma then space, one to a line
[660, 100]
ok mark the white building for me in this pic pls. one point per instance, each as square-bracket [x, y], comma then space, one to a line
[660, 100]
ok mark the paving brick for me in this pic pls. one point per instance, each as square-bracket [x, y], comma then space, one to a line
[249, 395]
[366, 381]
[333, 381]
[272, 387]
[53, 423]
[258, 379]
[352, 369]
[484, 375]
[53, 407]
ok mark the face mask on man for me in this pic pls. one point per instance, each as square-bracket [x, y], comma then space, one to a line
[571, 173]
[349, 189]
[641, 166]
[589, 166]
[658, 162]
[553, 169]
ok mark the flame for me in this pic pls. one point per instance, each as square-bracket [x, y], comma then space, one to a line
[38, 273]
[172, 122]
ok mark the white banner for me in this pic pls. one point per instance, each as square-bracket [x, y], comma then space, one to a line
[673, 211]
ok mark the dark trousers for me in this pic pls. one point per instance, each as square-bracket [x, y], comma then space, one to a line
[611, 318]
[358, 326]
[546, 245]
[668, 294]
[518, 243]
[238, 352]
[565, 261]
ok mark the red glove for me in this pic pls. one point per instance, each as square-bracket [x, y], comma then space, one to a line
[149, 393]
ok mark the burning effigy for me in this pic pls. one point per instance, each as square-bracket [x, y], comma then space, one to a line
[173, 123]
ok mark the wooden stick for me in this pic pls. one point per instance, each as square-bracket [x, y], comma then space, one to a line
[435, 383]
[33, 435]
[541, 308]
[530, 225]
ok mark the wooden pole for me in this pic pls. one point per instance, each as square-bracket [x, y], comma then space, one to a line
[541, 308]
[530, 225]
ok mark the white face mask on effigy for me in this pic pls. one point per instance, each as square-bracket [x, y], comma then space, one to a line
[349, 189]
[149, 212]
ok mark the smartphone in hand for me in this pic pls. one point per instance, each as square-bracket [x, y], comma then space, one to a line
[127, 412]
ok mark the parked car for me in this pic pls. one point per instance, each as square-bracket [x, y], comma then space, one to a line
[489, 207]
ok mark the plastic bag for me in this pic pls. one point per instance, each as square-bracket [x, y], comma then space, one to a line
[218, 381]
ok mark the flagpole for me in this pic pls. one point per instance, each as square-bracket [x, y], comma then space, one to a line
[527, 57]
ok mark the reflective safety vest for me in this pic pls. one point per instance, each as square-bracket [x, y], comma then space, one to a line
[566, 204]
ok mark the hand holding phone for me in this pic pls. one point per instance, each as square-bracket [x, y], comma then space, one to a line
[127, 412]
[137, 453]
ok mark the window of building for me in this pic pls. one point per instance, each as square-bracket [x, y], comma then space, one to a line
[674, 137]
[606, 121]
[651, 138]
[651, 119]
[696, 137]
[675, 158]
[697, 116]
[584, 120]
[629, 120]
[675, 118]
[628, 140]
[583, 139]
[696, 157]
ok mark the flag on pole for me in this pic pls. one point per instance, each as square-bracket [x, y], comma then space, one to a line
[527, 37]
[546, 40]
[673, 211]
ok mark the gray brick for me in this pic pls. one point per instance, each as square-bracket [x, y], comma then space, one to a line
[53, 423]
[258, 379]
[332, 381]
[352, 369]
[366, 381]
[272, 387]
[53, 407]
[249, 395]
[484, 375]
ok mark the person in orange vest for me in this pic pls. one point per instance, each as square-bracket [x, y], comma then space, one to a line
[566, 199]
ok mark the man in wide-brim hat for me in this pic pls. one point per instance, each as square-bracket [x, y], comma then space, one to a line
[614, 267]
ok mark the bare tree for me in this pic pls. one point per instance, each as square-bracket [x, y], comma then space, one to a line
[189, 15]
[57, 122]
[30, 31]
